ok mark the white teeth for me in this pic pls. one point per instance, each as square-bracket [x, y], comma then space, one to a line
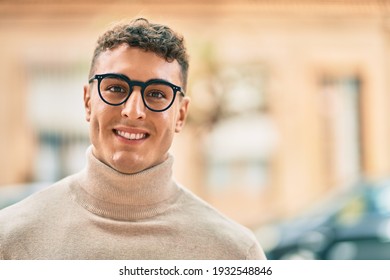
[131, 136]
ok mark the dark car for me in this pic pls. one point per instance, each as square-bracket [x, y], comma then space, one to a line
[354, 226]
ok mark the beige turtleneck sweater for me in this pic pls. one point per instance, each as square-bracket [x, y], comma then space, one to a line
[100, 213]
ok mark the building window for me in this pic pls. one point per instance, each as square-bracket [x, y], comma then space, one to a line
[242, 136]
[341, 128]
[56, 114]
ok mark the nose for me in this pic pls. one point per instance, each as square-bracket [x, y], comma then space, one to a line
[134, 107]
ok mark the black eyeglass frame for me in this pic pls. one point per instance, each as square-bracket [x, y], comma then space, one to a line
[132, 83]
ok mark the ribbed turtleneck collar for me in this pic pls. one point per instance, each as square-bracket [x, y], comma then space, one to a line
[109, 193]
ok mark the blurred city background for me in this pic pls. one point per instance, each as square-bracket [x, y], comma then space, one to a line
[288, 132]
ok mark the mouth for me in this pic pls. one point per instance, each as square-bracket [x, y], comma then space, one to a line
[131, 135]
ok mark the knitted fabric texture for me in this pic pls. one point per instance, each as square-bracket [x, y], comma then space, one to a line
[100, 213]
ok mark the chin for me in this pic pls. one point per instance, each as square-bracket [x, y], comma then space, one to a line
[129, 162]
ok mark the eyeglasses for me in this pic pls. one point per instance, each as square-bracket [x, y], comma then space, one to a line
[115, 89]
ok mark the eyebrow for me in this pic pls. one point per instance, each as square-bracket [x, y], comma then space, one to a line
[153, 79]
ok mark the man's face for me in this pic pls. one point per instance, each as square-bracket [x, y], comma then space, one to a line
[129, 137]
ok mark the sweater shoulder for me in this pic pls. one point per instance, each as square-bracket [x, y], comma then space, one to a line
[221, 229]
[25, 222]
[211, 216]
[33, 207]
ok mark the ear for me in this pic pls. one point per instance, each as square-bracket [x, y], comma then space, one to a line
[87, 103]
[184, 103]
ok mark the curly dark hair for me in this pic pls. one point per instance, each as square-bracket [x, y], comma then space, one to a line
[140, 33]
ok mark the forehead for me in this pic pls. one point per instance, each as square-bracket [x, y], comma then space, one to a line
[137, 64]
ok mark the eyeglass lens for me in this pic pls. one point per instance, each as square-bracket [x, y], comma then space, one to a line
[157, 96]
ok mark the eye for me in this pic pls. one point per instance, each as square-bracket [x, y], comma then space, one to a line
[116, 89]
[156, 94]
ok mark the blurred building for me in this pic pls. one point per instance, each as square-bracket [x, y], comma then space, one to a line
[289, 98]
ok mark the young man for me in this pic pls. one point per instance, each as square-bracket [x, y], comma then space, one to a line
[125, 204]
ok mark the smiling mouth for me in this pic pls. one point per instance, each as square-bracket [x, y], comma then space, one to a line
[131, 136]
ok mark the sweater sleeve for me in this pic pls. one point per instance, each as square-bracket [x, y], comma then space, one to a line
[255, 253]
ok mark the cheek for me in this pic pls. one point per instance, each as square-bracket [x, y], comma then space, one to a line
[98, 117]
[94, 127]
[168, 121]
[94, 118]
[165, 128]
